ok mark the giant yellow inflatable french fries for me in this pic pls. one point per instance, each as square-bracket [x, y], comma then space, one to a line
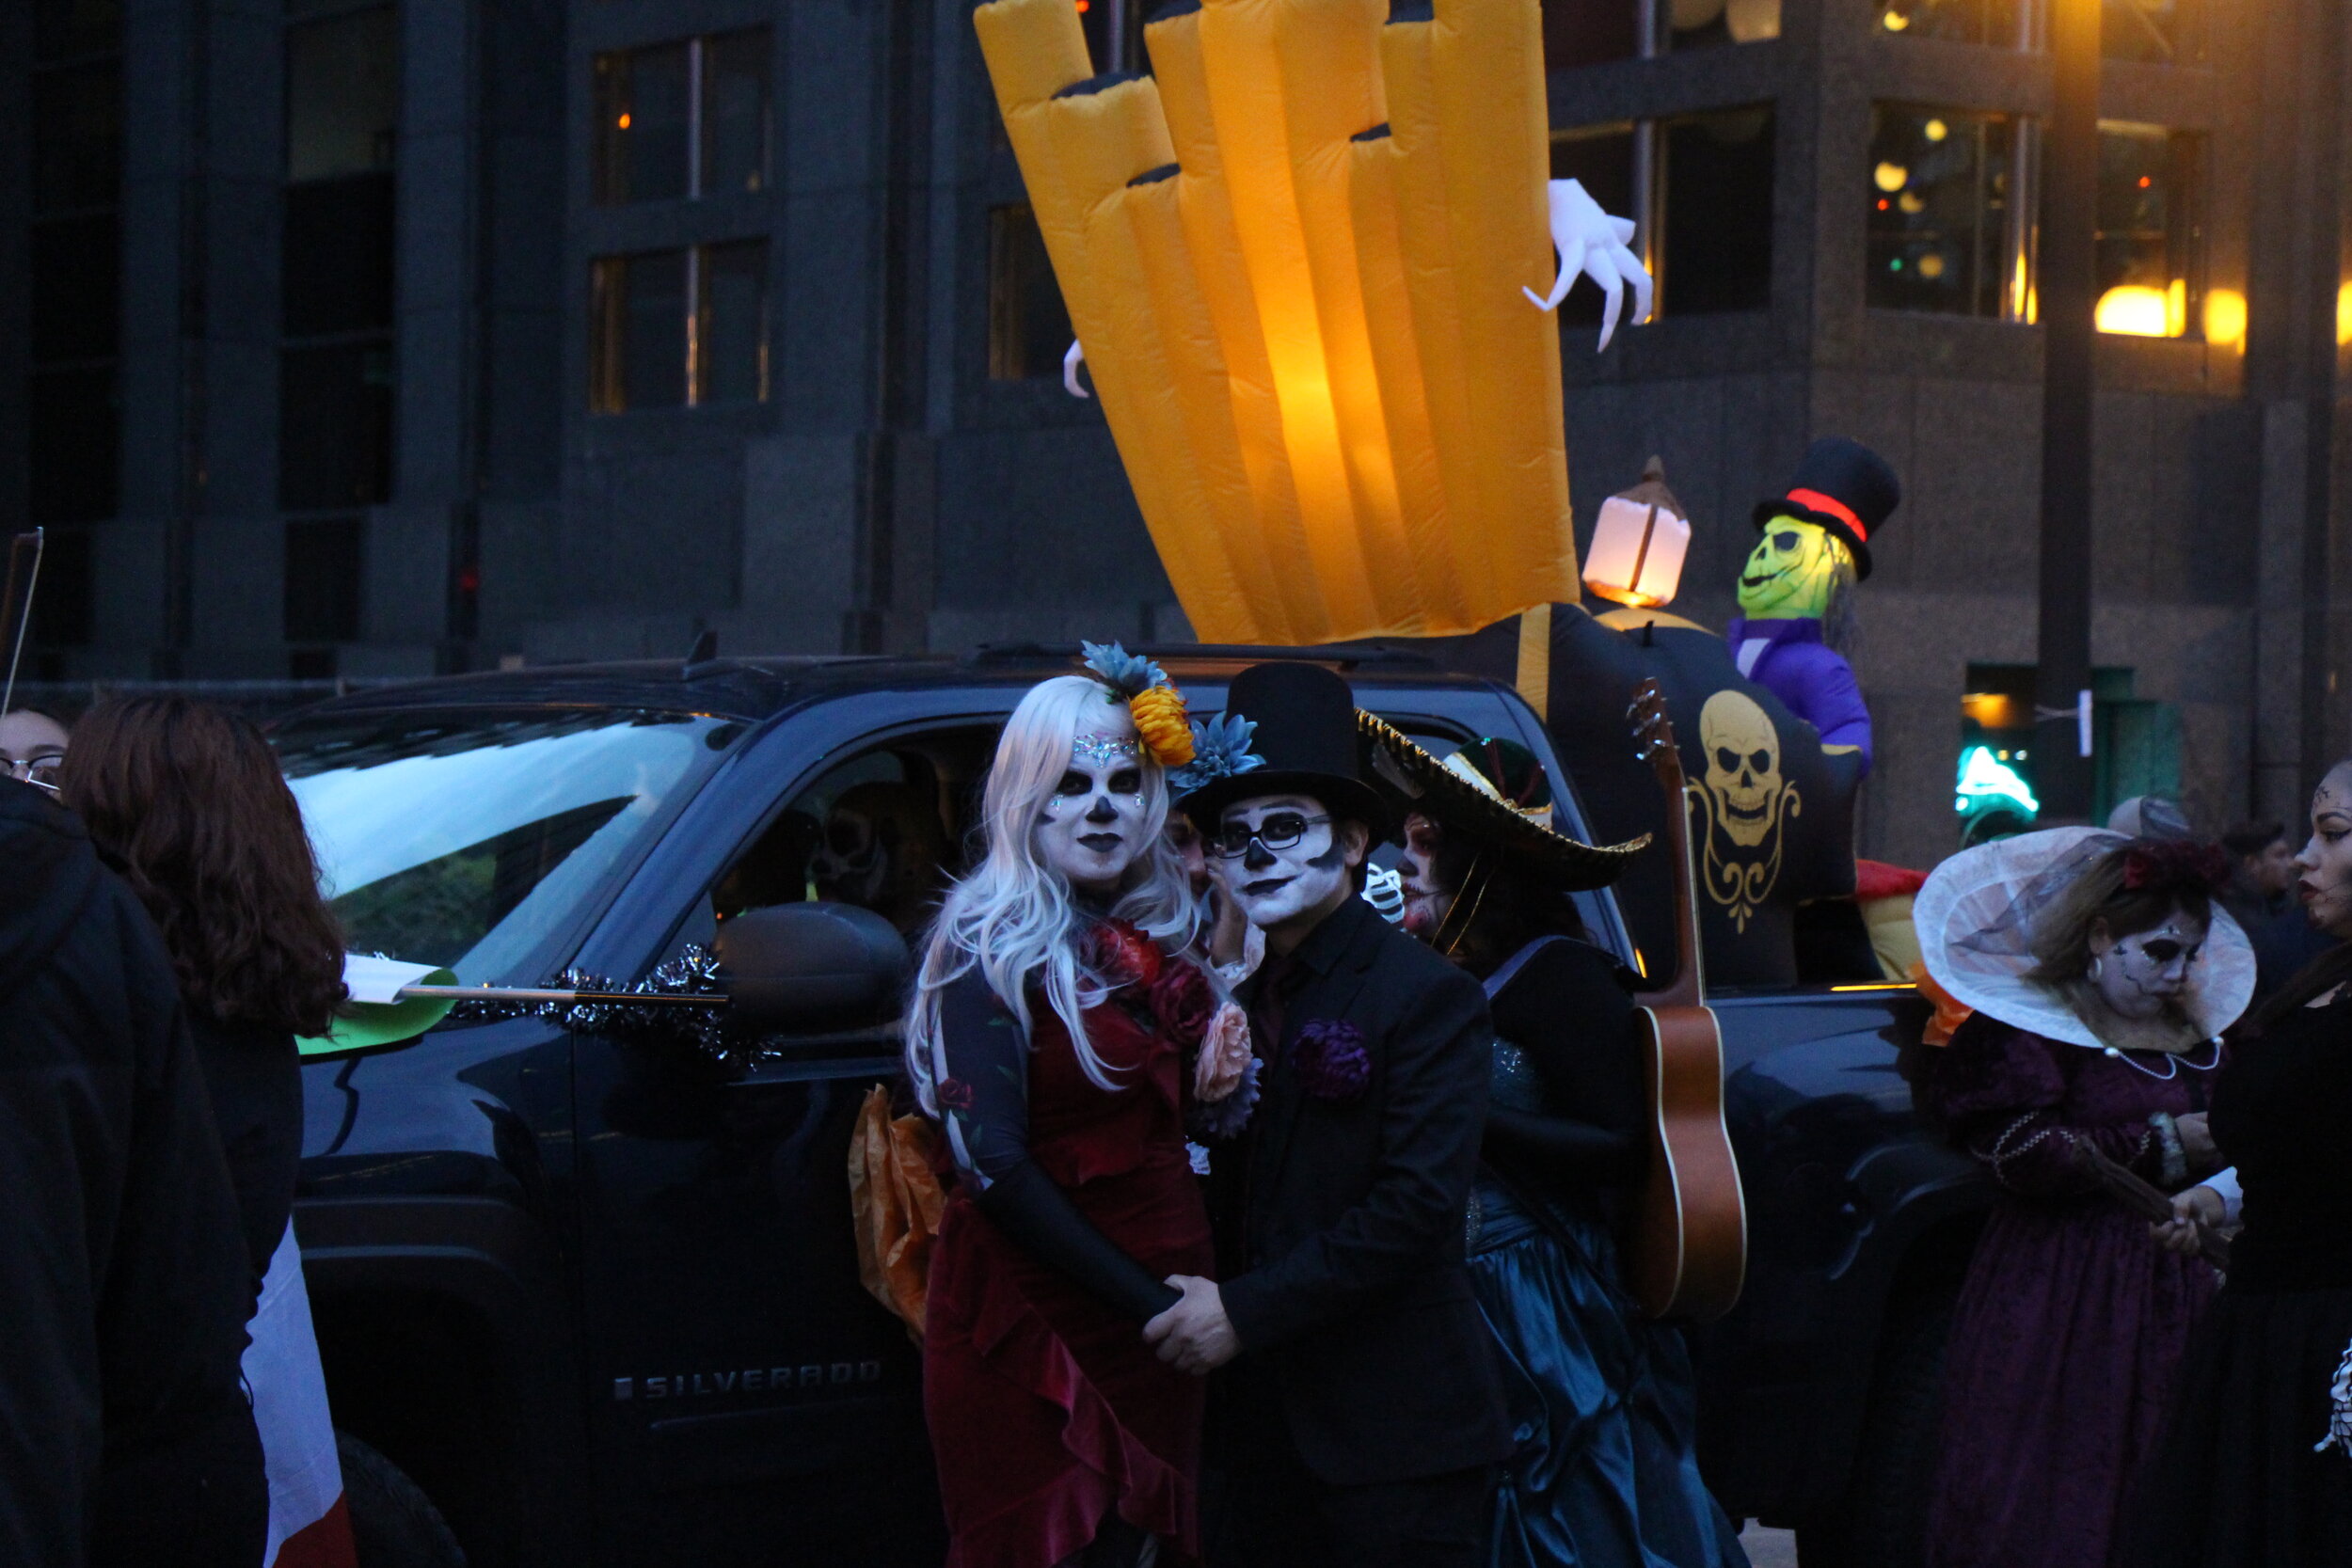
[1295, 256]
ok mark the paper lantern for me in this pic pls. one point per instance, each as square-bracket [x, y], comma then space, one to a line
[1639, 542]
[1295, 256]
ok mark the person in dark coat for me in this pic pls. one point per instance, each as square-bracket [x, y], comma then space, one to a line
[125, 1437]
[2261, 897]
[186, 802]
[1363, 1418]
[2255, 1467]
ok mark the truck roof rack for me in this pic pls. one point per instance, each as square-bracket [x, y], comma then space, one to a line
[1347, 656]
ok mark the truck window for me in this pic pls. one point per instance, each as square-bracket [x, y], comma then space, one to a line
[882, 830]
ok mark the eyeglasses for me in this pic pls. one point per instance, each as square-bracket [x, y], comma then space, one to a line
[1280, 831]
[41, 772]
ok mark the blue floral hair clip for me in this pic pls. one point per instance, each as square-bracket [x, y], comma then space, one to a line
[1128, 674]
[1220, 748]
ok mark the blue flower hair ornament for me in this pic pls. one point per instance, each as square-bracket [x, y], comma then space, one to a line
[1220, 748]
[1130, 676]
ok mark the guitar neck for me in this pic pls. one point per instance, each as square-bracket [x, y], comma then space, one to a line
[1689, 987]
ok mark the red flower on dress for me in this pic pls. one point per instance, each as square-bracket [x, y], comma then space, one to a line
[953, 1094]
[1121, 955]
[1184, 1001]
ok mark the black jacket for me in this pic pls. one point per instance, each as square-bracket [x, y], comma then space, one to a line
[124, 1432]
[1351, 1292]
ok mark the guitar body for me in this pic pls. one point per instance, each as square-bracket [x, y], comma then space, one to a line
[1689, 1252]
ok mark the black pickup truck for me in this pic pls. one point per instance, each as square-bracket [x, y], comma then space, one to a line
[595, 1296]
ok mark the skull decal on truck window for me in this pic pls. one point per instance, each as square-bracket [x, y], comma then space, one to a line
[1743, 800]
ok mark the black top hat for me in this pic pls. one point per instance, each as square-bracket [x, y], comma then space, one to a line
[1306, 719]
[1842, 487]
[1496, 791]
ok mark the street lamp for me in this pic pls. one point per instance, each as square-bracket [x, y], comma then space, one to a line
[2067, 291]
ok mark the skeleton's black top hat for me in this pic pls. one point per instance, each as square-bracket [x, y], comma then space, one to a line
[1306, 719]
[1842, 487]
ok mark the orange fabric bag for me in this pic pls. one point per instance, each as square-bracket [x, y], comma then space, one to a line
[895, 1200]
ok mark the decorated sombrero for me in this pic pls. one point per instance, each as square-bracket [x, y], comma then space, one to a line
[1494, 790]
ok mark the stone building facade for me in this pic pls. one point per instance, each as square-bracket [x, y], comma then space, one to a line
[373, 337]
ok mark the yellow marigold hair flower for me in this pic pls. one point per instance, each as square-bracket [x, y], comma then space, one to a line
[1162, 727]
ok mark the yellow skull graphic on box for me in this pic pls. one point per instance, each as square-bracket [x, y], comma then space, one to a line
[1744, 802]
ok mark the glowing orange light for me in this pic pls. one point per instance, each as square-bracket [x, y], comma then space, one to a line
[1882, 205]
[1083, 7]
[2144, 181]
[622, 122]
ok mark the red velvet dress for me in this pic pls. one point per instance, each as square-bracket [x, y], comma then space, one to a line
[1047, 1410]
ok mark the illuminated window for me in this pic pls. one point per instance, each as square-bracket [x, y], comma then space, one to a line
[1028, 326]
[674, 328]
[2150, 274]
[2003, 23]
[1717, 242]
[684, 120]
[1704, 23]
[2157, 32]
[1944, 232]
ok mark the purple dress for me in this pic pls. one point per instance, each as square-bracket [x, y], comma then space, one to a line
[2072, 1322]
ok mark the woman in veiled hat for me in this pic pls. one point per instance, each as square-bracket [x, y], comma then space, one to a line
[2102, 975]
[1605, 1403]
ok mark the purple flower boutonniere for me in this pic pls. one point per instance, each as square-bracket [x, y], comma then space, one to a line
[1331, 1060]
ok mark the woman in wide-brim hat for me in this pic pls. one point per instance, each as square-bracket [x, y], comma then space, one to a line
[1607, 1468]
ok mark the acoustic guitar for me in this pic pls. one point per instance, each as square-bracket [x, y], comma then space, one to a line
[1688, 1250]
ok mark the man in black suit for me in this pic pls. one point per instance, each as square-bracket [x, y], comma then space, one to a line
[1364, 1414]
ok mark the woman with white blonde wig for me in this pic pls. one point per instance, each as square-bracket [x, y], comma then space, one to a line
[1052, 1035]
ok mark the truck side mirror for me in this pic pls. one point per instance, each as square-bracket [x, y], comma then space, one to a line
[799, 968]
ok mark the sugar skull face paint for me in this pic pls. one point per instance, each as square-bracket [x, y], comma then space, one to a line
[1284, 857]
[2139, 975]
[1092, 826]
[1789, 573]
[2324, 881]
[1427, 898]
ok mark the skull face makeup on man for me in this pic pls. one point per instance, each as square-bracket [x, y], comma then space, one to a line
[1093, 825]
[2139, 975]
[1286, 860]
[1428, 897]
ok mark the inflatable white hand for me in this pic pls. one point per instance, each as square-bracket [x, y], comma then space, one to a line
[1070, 359]
[1592, 243]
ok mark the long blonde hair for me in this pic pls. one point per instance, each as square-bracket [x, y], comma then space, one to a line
[1016, 917]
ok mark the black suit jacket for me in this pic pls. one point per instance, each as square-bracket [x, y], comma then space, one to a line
[1350, 1295]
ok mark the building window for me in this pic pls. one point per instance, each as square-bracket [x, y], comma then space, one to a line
[1946, 231]
[2002, 23]
[1717, 192]
[2157, 32]
[324, 579]
[1704, 23]
[2150, 282]
[1590, 32]
[679, 328]
[335, 365]
[1606, 160]
[1028, 326]
[676, 121]
[74, 301]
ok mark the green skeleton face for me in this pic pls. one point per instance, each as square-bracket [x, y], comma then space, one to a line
[1790, 571]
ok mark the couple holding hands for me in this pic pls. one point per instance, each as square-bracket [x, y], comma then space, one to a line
[1321, 1216]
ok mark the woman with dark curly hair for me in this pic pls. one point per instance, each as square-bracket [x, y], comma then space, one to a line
[185, 801]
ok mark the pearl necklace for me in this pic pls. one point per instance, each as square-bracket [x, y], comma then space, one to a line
[2172, 1063]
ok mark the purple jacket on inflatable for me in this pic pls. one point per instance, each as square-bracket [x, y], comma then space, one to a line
[1789, 660]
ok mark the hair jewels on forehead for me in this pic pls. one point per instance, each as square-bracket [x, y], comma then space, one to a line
[1103, 747]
